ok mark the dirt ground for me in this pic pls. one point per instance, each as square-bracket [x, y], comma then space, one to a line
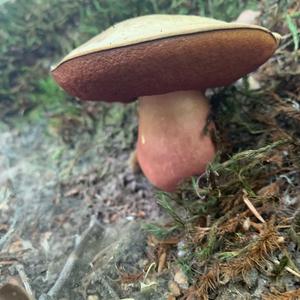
[50, 190]
[77, 222]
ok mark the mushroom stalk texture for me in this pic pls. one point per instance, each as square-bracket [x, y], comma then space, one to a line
[174, 137]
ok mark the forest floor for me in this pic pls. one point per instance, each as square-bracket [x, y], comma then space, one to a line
[77, 223]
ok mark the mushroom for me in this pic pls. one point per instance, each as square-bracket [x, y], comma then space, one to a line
[166, 62]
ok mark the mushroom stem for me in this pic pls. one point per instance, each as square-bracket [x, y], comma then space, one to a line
[174, 137]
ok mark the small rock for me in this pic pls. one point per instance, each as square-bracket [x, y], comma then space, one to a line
[287, 200]
[174, 289]
[181, 279]
[92, 297]
[251, 278]
[246, 224]
[260, 288]
[248, 16]
[181, 246]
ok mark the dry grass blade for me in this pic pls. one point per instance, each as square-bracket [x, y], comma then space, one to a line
[252, 208]
[290, 270]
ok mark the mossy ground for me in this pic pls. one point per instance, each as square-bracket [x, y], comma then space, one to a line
[233, 232]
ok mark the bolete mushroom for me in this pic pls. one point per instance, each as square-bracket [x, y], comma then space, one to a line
[167, 62]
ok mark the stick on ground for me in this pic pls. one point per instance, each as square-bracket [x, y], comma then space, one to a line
[75, 255]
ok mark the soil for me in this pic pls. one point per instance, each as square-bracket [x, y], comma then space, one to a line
[50, 190]
[73, 206]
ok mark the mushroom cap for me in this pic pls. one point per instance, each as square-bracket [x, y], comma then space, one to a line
[157, 54]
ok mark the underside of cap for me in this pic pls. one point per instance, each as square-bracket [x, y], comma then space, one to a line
[193, 61]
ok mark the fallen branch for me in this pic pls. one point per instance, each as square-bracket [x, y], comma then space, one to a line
[73, 258]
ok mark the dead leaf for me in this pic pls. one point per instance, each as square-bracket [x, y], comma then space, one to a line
[248, 16]
[162, 261]
[72, 192]
[252, 208]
